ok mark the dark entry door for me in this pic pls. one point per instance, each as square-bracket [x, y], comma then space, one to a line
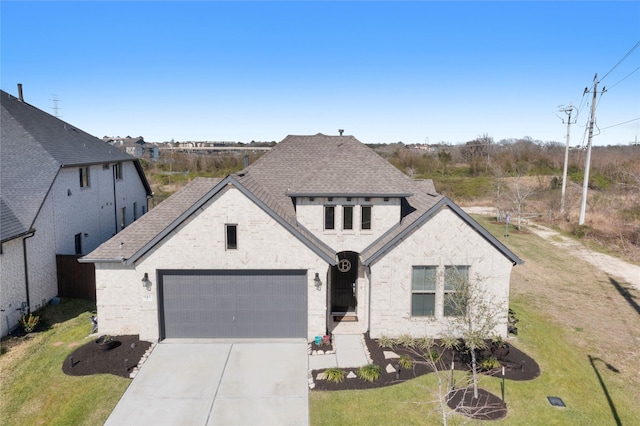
[344, 278]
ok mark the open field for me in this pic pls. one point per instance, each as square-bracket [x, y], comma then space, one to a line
[580, 325]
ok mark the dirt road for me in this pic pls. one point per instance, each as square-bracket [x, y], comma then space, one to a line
[611, 265]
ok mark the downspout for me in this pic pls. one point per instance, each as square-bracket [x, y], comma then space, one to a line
[26, 270]
[115, 203]
[369, 313]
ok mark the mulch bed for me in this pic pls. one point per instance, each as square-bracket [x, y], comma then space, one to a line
[486, 407]
[120, 360]
[518, 366]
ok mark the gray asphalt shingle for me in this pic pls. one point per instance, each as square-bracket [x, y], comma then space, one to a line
[317, 165]
[33, 147]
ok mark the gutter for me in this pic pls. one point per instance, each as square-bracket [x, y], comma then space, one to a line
[99, 260]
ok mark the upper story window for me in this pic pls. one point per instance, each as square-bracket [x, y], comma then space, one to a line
[117, 170]
[365, 217]
[135, 210]
[231, 236]
[84, 177]
[78, 243]
[329, 217]
[123, 217]
[347, 217]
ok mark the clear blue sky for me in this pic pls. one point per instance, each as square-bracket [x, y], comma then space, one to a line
[383, 71]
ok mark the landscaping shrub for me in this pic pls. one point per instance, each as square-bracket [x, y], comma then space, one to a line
[369, 372]
[29, 322]
[406, 340]
[385, 342]
[335, 374]
[489, 363]
[405, 362]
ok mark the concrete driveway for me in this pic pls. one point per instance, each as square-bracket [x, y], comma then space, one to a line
[219, 383]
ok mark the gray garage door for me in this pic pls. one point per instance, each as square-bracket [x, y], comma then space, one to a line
[236, 304]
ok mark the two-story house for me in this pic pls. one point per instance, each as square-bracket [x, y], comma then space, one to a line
[320, 234]
[62, 192]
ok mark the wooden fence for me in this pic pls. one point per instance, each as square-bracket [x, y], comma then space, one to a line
[76, 280]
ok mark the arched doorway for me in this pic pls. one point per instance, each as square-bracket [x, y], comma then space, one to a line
[344, 285]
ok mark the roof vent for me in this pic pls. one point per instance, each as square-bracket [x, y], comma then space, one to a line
[20, 92]
[340, 131]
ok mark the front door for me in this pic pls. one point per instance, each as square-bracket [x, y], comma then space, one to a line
[344, 280]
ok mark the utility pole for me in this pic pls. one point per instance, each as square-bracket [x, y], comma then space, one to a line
[566, 157]
[56, 108]
[587, 164]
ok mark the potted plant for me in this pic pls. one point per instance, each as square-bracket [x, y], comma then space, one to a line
[106, 342]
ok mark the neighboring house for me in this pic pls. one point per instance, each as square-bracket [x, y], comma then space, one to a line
[136, 147]
[62, 192]
[320, 234]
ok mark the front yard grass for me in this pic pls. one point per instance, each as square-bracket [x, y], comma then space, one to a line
[33, 388]
[573, 322]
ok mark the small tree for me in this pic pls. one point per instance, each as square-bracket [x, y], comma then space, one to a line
[520, 193]
[474, 316]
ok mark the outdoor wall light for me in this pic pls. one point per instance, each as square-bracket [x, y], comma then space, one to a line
[146, 282]
[317, 282]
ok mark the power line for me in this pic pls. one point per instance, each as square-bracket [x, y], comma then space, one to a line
[620, 61]
[628, 75]
[620, 124]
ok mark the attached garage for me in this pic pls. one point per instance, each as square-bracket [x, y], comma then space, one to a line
[232, 303]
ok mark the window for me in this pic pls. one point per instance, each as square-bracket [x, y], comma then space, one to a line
[144, 209]
[135, 210]
[366, 217]
[123, 218]
[347, 217]
[84, 177]
[231, 236]
[329, 217]
[78, 238]
[117, 170]
[455, 277]
[423, 291]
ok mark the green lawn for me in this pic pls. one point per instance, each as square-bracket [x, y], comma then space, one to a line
[33, 388]
[595, 393]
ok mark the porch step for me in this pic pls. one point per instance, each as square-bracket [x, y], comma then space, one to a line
[345, 318]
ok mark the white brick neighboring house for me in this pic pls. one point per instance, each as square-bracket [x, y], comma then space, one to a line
[62, 192]
[319, 235]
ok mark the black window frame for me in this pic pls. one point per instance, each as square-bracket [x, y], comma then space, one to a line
[329, 218]
[84, 177]
[347, 219]
[365, 225]
[78, 243]
[231, 236]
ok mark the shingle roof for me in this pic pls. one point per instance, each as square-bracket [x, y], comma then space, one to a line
[316, 165]
[33, 148]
